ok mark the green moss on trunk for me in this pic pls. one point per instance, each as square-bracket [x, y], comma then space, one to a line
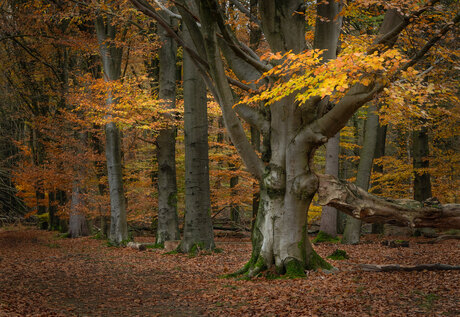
[316, 262]
[294, 268]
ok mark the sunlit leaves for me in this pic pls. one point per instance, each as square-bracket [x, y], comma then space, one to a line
[305, 75]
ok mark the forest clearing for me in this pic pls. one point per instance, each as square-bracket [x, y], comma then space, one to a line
[44, 275]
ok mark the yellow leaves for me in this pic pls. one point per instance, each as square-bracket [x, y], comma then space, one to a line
[306, 76]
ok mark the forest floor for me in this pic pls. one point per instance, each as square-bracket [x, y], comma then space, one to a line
[44, 275]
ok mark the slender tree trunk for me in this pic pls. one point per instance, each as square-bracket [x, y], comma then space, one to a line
[329, 214]
[378, 168]
[77, 221]
[422, 183]
[52, 211]
[168, 221]
[327, 31]
[353, 225]
[111, 60]
[198, 231]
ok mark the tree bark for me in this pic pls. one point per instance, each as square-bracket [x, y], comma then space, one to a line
[168, 221]
[77, 221]
[356, 202]
[378, 168]
[327, 31]
[111, 59]
[422, 183]
[329, 214]
[198, 230]
[353, 226]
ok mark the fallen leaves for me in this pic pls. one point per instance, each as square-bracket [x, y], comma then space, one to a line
[85, 277]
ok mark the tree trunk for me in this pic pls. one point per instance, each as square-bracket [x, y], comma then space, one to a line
[77, 221]
[198, 230]
[378, 168]
[111, 60]
[353, 226]
[327, 31]
[329, 214]
[422, 183]
[168, 221]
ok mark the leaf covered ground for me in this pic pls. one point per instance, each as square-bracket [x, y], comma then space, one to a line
[44, 275]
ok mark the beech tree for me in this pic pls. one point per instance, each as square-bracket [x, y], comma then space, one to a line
[168, 221]
[111, 56]
[297, 119]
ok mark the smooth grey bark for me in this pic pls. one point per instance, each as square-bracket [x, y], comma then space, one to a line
[168, 221]
[378, 168]
[420, 153]
[111, 56]
[353, 226]
[327, 31]
[198, 230]
[329, 214]
[77, 221]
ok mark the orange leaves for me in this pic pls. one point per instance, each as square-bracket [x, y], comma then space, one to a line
[306, 76]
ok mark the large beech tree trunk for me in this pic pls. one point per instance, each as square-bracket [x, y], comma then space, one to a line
[111, 56]
[168, 221]
[291, 130]
[198, 231]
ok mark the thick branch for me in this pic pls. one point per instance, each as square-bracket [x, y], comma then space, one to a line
[357, 96]
[359, 204]
[232, 123]
[253, 117]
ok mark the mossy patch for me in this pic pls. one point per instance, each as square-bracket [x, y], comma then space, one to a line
[155, 246]
[325, 237]
[294, 269]
[316, 262]
[338, 255]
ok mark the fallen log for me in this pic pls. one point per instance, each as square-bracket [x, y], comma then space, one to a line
[407, 268]
[358, 203]
[441, 238]
[139, 246]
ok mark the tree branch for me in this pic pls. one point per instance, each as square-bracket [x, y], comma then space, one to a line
[253, 117]
[358, 203]
[246, 12]
[399, 28]
[420, 54]
[167, 11]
